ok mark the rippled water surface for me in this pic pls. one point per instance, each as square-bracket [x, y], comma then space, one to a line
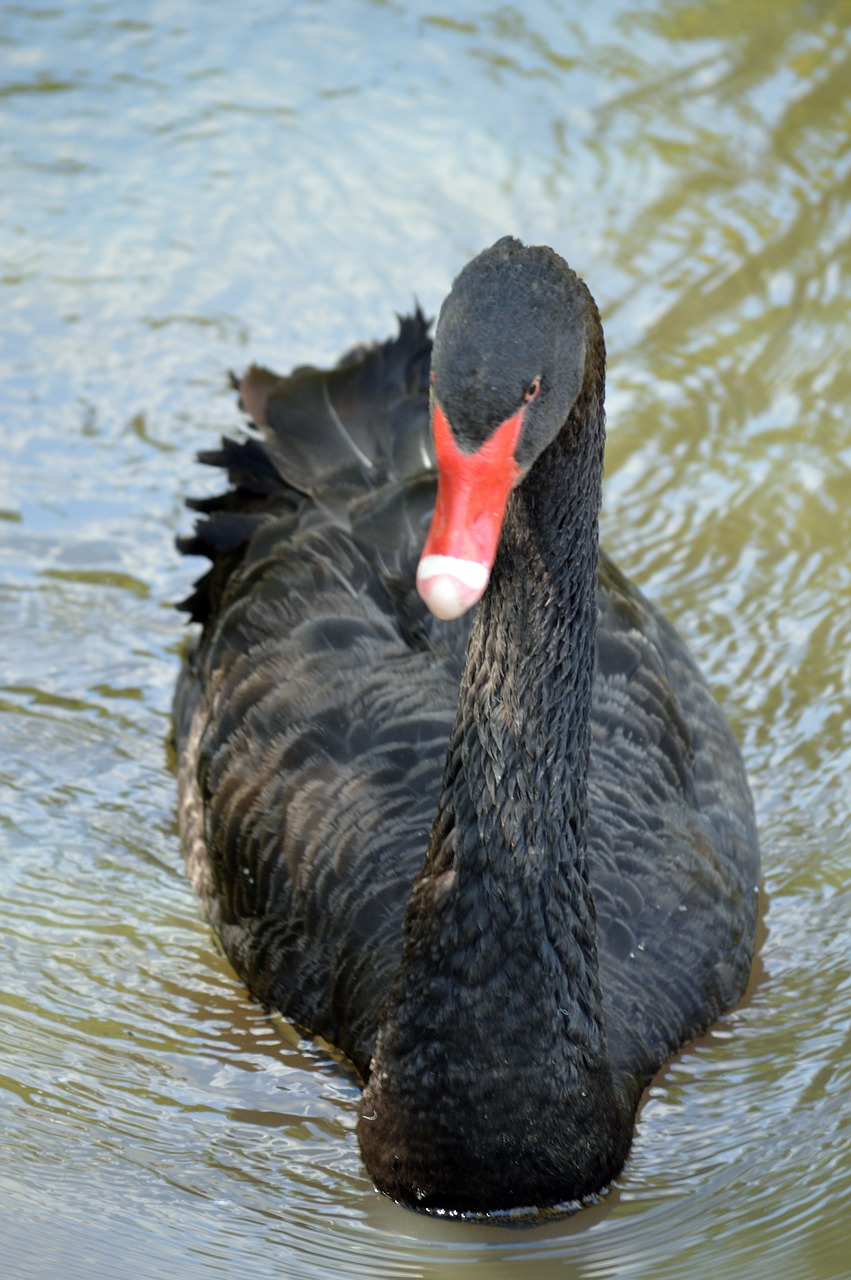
[185, 186]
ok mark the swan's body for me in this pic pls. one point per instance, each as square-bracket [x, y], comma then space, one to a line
[576, 875]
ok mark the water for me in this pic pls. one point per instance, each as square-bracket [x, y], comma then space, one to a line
[186, 187]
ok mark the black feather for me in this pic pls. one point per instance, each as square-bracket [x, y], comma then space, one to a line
[527, 853]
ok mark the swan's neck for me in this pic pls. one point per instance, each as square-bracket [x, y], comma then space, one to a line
[519, 752]
[490, 1085]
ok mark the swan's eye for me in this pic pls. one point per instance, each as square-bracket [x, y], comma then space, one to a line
[532, 390]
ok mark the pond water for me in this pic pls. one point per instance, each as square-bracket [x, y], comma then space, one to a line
[187, 186]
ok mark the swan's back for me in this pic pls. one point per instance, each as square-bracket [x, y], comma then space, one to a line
[312, 719]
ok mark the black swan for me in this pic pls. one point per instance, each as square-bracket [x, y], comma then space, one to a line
[506, 865]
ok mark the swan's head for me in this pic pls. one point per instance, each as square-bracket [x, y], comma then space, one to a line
[508, 364]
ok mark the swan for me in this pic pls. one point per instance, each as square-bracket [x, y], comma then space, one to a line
[504, 858]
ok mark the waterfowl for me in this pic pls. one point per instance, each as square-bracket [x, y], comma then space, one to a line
[505, 857]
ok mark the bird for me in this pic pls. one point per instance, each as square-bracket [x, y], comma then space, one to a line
[454, 794]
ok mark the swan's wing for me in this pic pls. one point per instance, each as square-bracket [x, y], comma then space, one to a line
[312, 716]
[675, 865]
[363, 420]
[331, 436]
[315, 739]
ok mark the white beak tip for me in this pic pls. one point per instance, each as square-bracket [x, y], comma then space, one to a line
[450, 586]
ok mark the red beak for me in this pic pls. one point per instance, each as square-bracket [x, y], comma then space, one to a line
[472, 490]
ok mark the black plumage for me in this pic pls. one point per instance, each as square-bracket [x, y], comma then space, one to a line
[523, 849]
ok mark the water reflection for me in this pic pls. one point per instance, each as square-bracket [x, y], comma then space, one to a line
[184, 191]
